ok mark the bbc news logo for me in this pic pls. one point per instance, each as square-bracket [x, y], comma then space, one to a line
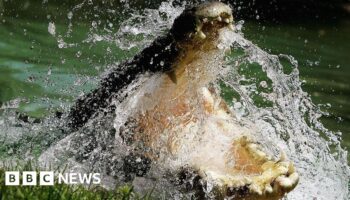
[47, 178]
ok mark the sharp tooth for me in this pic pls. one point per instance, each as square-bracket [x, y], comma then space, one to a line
[201, 34]
[283, 156]
[219, 19]
[247, 180]
[268, 188]
[253, 146]
[255, 188]
[291, 168]
[227, 20]
[205, 20]
[199, 27]
[231, 27]
[295, 178]
[288, 182]
[231, 19]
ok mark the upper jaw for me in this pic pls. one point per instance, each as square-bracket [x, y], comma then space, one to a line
[212, 13]
[202, 20]
[213, 10]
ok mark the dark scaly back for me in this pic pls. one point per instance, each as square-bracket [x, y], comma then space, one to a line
[158, 57]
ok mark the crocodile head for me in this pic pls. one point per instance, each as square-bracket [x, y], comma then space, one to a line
[202, 21]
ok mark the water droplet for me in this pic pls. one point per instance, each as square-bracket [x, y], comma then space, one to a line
[109, 50]
[70, 15]
[49, 72]
[52, 28]
[263, 84]
[78, 54]
[94, 24]
[237, 105]
[60, 45]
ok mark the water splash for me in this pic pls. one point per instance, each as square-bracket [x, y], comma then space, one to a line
[137, 31]
[149, 24]
[291, 123]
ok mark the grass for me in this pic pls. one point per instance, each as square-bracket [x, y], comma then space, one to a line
[63, 191]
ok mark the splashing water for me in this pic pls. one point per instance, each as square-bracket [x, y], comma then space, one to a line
[151, 23]
[284, 114]
[292, 124]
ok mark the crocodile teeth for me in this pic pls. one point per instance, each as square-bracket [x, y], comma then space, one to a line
[268, 188]
[219, 19]
[255, 188]
[291, 169]
[201, 34]
[288, 182]
[231, 27]
[253, 146]
[199, 27]
[227, 20]
[231, 19]
[283, 156]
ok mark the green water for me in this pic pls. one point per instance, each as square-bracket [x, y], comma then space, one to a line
[323, 54]
[34, 68]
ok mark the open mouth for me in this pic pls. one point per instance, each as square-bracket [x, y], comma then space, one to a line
[248, 172]
[255, 175]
